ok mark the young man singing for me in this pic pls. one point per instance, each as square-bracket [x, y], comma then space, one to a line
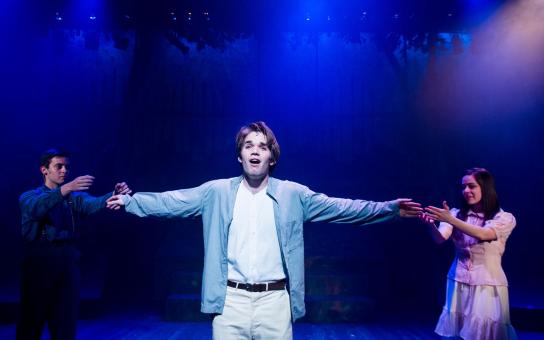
[253, 276]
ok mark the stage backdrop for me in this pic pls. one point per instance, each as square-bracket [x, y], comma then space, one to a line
[371, 116]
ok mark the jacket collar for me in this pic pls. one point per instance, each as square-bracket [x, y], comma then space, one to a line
[45, 188]
[272, 188]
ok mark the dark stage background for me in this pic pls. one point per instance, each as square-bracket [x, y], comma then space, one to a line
[374, 115]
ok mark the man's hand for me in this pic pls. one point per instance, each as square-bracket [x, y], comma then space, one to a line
[438, 214]
[122, 189]
[80, 183]
[115, 202]
[409, 208]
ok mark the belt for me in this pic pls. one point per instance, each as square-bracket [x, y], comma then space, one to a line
[258, 287]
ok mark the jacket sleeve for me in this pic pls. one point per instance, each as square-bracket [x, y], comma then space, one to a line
[35, 204]
[168, 204]
[321, 208]
[87, 204]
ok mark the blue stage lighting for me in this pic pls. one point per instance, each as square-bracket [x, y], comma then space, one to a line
[58, 17]
[92, 17]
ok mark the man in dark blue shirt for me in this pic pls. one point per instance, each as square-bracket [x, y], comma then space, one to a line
[50, 269]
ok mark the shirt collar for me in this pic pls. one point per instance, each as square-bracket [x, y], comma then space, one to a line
[475, 214]
[271, 189]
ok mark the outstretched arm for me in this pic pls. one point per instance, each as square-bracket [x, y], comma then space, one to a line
[89, 204]
[440, 233]
[177, 203]
[444, 215]
[319, 207]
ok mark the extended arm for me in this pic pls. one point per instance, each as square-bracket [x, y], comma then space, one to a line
[177, 203]
[88, 204]
[319, 207]
[439, 234]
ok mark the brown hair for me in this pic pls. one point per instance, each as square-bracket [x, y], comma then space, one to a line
[271, 141]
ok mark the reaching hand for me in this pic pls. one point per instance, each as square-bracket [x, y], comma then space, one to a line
[115, 202]
[122, 189]
[409, 208]
[438, 214]
[78, 184]
[426, 218]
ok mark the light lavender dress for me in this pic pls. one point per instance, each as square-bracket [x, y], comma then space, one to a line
[477, 290]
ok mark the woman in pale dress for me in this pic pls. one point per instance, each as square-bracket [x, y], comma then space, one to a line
[477, 290]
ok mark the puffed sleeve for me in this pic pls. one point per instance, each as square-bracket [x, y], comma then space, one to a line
[503, 223]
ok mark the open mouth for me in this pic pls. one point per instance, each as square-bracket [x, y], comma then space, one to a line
[255, 161]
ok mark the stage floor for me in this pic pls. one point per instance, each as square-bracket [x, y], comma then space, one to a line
[149, 326]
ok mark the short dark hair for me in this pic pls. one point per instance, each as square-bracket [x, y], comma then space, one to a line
[49, 154]
[271, 141]
[490, 199]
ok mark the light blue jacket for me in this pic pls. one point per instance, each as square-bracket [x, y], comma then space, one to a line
[294, 204]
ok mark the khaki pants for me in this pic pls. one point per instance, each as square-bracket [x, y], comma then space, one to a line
[249, 315]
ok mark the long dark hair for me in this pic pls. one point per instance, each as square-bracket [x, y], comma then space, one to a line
[490, 199]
